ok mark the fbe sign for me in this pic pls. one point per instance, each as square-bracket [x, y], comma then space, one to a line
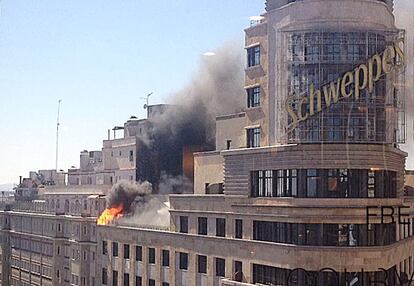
[388, 214]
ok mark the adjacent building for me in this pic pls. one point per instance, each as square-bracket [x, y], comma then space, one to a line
[141, 154]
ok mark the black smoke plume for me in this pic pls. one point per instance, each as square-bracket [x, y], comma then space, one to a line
[215, 89]
[125, 193]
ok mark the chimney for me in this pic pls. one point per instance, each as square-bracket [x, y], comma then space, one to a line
[20, 180]
[109, 134]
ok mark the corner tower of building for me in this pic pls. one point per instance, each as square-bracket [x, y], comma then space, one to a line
[324, 118]
[300, 47]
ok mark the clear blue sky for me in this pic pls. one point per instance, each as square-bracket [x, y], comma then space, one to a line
[99, 57]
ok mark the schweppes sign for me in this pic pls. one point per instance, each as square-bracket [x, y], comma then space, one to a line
[351, 84]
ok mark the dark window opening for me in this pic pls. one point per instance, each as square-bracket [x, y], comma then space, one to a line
[126, 279]
[253, 97]
[138, 281]
[238, 271]
[253, 138]
[126, 251]
[253, 56]
[183, 261]
[114, 249]
[238, 233]
[165, 258]
[220, 227]
[138, 253]
[183, 224]
[202, 226]
[151, 255]
[104, 247]
[202, 264]
[114, 278]
[104, 276]
[220, 267]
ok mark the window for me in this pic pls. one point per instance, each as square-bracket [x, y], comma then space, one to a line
[151, 255]
[202, 225]
[114, 278]
[312, 183]
[151, 282]
[131, 156]
[220, 227]
[126, 279]
[165, 258]
[238, 232]
[253, 97]
[253, 138]
[114, 249]
[126, 251]
[138, 281]
[165, 284]
[183, 261]
[238, 271]
[138, 253]
[267, 275]
[183, 224]
[323, 183]
[202, 264]
[253, 56]
[220, 267]
[104, 276]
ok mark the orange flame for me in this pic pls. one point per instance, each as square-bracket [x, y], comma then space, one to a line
[110, 214]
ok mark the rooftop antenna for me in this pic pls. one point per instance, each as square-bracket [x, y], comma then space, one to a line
[147, 100]
[57, 134]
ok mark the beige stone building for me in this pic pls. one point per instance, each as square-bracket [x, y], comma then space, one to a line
[307, 185]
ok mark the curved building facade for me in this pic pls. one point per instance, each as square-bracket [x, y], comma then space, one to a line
[321, 165]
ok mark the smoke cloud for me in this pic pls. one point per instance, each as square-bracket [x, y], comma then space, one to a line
[215, 89]
[140, 207]
[404, 11]
[152, 211]
[174, 184]
[126, 192]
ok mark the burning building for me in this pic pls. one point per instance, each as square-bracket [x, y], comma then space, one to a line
[154, 149]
